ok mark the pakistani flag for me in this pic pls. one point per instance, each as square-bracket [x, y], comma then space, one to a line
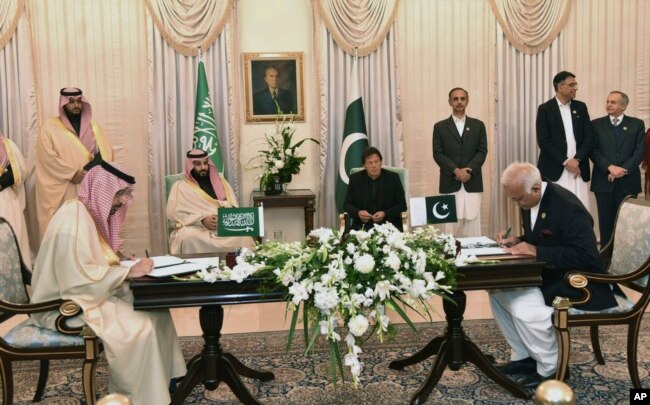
[355, 138]
[205, 127]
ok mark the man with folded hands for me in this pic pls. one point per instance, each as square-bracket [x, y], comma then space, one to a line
[558, 230]
[192, 209]
[78, 260]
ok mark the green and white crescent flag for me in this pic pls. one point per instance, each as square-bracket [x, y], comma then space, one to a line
[355, 138]
[205, 126]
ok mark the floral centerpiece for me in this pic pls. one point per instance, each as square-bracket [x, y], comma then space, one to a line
[280, 157]
[352, 281]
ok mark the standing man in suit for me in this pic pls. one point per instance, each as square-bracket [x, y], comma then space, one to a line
[268, 100]
[558, 230]
[460, 148]
[564, 138]
[618, 146]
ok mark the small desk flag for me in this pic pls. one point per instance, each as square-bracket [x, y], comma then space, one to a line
[241, 221]
[433, 210]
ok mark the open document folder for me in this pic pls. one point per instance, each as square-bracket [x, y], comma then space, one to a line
[480, 246]
[164, 266]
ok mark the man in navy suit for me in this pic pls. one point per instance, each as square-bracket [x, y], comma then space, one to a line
[618, 146]
[460, 148]
[264, 101]
[558, 230]
[564, 138]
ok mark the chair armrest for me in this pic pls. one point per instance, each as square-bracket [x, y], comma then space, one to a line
[31, 308]
[343, 219]
[68, 310]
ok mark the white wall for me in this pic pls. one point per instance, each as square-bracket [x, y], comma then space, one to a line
[268, 26]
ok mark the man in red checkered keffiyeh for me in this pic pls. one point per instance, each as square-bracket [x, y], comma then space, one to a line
[78, 260]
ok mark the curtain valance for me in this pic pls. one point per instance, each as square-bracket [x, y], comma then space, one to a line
[10, 13]
[357, 23]
[531, 25]
[187, 25]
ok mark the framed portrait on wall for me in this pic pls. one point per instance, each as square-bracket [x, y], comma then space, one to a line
[273, 84]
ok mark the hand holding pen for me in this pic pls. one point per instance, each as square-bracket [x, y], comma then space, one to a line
[505, 239]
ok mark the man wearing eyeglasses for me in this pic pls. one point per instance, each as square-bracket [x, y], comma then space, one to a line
[564, 138]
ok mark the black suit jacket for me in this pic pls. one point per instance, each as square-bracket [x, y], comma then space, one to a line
[565, 240]
[627, 153]
[263, 102]
[390, 193]
[551, 138]
[452, 151]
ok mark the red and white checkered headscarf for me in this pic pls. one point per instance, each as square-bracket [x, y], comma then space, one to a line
[96, 192]
[86, 135]
[215, 179]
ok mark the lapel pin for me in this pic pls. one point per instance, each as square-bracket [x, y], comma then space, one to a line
[624, 128]
[574, 111]
[543, 215]
[467, 129]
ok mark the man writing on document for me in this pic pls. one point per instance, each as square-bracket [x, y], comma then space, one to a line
[78, 260]
[192, 209]
[558, 230]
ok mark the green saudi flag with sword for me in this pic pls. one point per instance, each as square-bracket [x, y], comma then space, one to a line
[205, 126]
[355, 138]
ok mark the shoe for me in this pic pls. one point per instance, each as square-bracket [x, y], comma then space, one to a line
[533, 380]
[523, 366]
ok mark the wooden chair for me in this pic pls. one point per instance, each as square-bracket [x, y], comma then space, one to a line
[344, 220]
[27, 341]
[169, 182]
[628, 254]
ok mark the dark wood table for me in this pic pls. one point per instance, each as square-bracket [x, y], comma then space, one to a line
[212, 366]
[454, 348]
[291, 198]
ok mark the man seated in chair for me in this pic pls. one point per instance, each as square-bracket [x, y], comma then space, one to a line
[374, 195]
[559, 231]
[78, 260]
[192, 209]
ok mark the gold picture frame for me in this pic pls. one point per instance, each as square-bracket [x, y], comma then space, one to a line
[272, 81]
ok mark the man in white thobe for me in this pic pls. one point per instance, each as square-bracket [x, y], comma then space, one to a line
[12, 194]
[192, 209]
[78, 260]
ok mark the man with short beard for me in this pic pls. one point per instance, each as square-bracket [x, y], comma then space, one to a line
[192, 209]
[65, 146]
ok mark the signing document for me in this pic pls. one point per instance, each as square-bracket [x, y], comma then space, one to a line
[480, 246]
[165, 266]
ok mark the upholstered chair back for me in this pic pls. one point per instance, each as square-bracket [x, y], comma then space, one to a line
[631, 239]
[12, 288]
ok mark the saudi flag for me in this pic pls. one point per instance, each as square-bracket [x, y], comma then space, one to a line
[205, 127]
[355, 138]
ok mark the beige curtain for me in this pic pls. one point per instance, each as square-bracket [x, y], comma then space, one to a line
[189, 25]
[98, 46]
[10, 13]
[531, 25]
[361, 24]
[523, 82]
[380, 95]
[18, 107]
[172, 91]
[441, 45]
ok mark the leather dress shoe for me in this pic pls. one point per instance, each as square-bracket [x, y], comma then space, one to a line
[533, 380]
[523, 366]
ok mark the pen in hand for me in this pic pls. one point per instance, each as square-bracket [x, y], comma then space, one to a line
[146, 252]
[504, 237]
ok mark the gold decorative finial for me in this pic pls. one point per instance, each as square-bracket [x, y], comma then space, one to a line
[554, 392]
[114, 399]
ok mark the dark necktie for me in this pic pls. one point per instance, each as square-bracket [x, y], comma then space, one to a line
[274, 94]
[617, 130]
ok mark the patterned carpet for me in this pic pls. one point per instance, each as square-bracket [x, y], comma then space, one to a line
[306, 380]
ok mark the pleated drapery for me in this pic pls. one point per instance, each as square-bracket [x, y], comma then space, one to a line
[190, 25]
[357, 25]
[10, 13]
[531, 25]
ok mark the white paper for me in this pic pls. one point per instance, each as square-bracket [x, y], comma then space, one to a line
[165, 266]
[477, 241]
[484, 251]
[184, 268]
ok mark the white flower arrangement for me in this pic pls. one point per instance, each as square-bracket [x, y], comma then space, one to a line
[351, 282]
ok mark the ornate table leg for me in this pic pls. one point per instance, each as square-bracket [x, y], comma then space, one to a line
[309, 216]
[213, 366]
[453, 350]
